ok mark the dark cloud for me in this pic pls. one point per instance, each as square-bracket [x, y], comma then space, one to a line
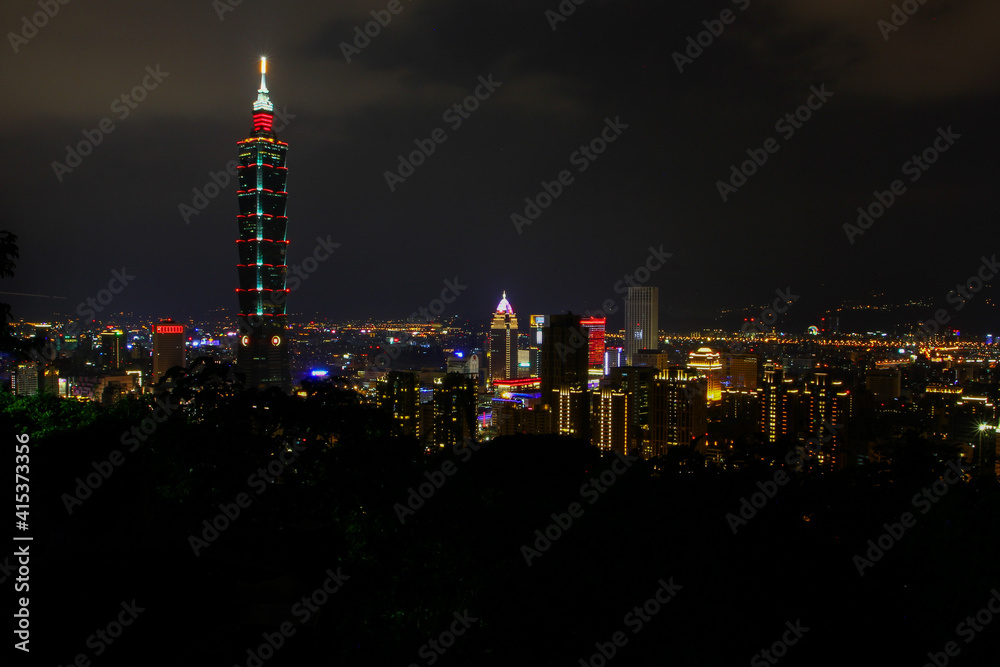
[655, 185]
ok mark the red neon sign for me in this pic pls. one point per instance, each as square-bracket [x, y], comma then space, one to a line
[169, 328]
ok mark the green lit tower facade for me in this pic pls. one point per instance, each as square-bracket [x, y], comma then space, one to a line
[262, 355]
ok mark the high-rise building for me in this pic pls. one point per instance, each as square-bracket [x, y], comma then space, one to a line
[565, 357]
[501, 344]
[678, 413]
[612, 421]
[573, 412]
[781, 405]
[637, 382]
[642, 320]
[262, 354]
[398, 393]
[537, 324]
[707, 364]
[168, 348]
[595, 326]
[884, 383]
[613, 358]
[112, 348]
[454, 421]
[26, 379]
[658, 359]
[830, 406]
[739, 371]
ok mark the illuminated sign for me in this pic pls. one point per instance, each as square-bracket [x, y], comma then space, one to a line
[169, 329]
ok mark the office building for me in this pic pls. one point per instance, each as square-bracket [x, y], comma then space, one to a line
[565, 359]
[612, 421]
[262, 352]
[168, 348]
[885, 384]
[398, 393]
[707, 364]
[595, 326]
[112, 348]
[642, 320]
[678, 413]
[739, 371]
[454, 411]
[501, 344]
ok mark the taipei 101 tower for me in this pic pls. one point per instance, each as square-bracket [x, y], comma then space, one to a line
[262, 355]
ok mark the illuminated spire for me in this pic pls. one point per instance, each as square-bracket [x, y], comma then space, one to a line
[504, 305]
[263, 102]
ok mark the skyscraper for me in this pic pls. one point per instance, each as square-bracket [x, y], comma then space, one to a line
[398, 393]
[707, 363]
[454, 411]
[595, 326]
[565, 355]
[612, 420]
[642, 320]
[262, 354]
[168, 348]
[537, 323]
[677, 413]
[502, 343]
[112, 348]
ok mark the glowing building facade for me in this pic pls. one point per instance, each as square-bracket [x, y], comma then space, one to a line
[612, 420]
[707, 363]
[262, 356]
[501, 349]
[642, 320]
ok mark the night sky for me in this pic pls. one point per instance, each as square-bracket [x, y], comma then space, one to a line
[656, 184]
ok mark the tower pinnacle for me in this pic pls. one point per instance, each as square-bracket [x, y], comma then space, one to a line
[263, 102]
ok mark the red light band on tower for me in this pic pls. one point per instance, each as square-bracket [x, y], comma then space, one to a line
[262, 121]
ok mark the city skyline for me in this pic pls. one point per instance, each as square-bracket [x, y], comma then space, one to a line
[578, 325]
[888, 105]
